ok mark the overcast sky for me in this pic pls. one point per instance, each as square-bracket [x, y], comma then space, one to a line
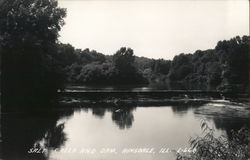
[155, 29]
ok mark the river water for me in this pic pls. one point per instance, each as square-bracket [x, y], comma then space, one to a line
[122, 132]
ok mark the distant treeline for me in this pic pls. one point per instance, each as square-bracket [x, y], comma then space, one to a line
[226, 67]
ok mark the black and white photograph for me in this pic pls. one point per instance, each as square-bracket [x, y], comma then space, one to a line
[124, 80]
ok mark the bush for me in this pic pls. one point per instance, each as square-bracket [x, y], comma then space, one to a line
[210, 147]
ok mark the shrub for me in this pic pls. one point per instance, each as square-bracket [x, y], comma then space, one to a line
[210, 147]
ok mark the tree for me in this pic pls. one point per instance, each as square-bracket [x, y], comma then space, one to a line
[65, 54]
[124, 63]
[235, 60]
[28, 36]
[95, 73]
[181, 67]
[124, 60]
[162, 66]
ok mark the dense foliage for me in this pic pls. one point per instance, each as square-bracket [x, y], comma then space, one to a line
[223, 68]
[209, 146]
[28, 36]
[91, 67]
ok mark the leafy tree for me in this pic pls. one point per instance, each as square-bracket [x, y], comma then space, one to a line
[234, 56]
[181, 67]
[124, 63]
[65, 54]
[124, 60]
[72, 72]
[143, 63]
[28, 36]
[95, 73]
[162, 66]
[214, 71]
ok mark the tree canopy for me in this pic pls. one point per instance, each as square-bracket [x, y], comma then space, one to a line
[222, 68]
[28, 37]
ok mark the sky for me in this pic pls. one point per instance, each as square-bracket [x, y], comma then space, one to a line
[153, 28]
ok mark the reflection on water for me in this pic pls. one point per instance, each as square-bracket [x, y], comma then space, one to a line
[120, 126]
[123, 117]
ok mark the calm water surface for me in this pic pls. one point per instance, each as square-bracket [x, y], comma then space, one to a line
[73, 133]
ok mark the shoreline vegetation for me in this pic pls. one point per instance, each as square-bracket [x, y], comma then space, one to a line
[210, 146]
[224, 68]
